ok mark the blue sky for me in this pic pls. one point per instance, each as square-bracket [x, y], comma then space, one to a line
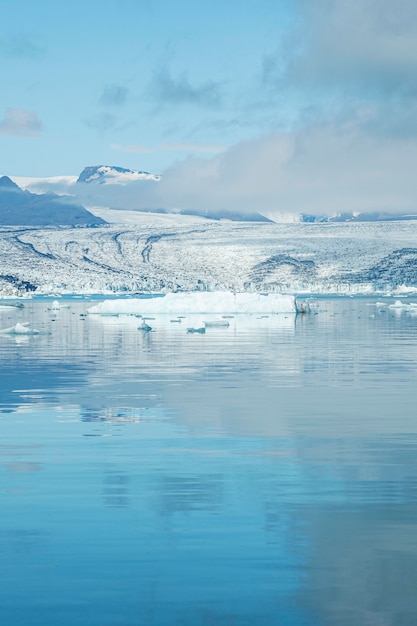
[138, 83]
[308, 104]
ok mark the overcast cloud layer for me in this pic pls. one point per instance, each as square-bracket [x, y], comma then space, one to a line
[354, 149]
[325, 120]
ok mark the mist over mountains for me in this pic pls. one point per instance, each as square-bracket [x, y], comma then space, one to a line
[19, 207]
[124, 189]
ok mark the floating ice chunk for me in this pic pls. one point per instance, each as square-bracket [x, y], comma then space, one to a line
[217, 323]
[20, 329]
[403, 305]
[12, 305]
[199, 302]
[144, 326]
[56, 306]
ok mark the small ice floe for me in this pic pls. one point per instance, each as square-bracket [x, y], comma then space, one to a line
[221, 323]
[145, 327]
[403, 306]
[12, 305]
[56, 306]
[20, 329]
[200, 330]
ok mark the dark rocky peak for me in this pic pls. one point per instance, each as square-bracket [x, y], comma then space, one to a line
[7, 183]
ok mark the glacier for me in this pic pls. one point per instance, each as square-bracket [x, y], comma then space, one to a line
[156, 254]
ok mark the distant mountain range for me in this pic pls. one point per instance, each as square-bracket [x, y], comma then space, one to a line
[23, 208]
[114, 187]
[358, 217]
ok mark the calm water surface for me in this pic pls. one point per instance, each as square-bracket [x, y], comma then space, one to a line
[262, 474]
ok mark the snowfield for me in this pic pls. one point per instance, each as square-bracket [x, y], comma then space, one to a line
[160, 255]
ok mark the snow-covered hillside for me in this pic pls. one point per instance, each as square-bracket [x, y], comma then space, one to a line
[112, 174]
[204, 255]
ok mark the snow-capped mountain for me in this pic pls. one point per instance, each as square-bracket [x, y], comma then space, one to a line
[113, 175]
[184, 255]
[29, 209]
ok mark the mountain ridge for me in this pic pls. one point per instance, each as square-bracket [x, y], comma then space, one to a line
[113, 174]
[22, 207]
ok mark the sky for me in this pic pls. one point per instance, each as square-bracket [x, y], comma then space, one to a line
[289, 105]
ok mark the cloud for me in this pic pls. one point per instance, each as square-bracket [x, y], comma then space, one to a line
[114, 95]
[169, 90]
[102, 122]
[363, 49]
[328, 169]
[194, 148]
[20, 46]
[20, 123]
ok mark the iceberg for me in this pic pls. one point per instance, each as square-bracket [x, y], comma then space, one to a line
[12, 305]
[20, 329]
[403, 306]
[217, 324]
[56, 306]
[198, 302]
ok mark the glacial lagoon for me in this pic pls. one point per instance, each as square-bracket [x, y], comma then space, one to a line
[261, 474]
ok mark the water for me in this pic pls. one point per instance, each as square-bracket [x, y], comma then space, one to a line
[262, 474]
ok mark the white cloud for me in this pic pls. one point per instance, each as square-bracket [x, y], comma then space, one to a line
[367, 47]
[325, 170]
[20, 123]
[168, 90]
[193, 148]
[114, 95]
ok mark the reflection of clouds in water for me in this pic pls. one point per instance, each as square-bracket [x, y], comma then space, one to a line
[19, 467]
[371, 558]
[24, 540]
[116, 489]
[186, 493]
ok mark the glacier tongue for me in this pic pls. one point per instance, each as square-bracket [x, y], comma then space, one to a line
[168, 257]
[203, 302]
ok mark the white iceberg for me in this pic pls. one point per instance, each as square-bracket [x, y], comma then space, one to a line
[217, 323]
[56, 306]
[403, 305]
[199, 302]
[20, 329]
